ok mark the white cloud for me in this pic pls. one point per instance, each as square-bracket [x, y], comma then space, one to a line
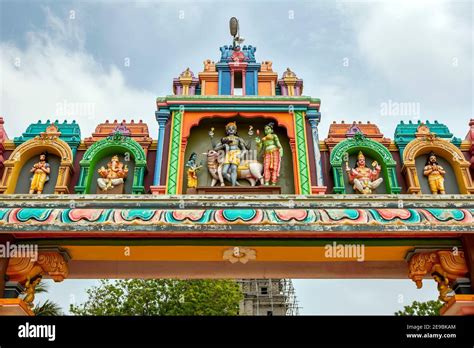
[416, 43]
[410, 52]
[49, 79]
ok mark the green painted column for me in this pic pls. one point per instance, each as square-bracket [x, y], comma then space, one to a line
[339, 186]
[173, 163]
[302, 154]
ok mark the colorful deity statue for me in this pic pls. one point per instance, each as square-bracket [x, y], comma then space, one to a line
[113, 175]
[435, 174]
[41, 172]
[273, 153]
[193, 170]
[364, 179]
[234, 148]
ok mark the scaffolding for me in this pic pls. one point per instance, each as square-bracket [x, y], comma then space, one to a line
[268, 297]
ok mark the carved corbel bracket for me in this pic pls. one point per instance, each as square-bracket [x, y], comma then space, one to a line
[445, 266]
[51, 263]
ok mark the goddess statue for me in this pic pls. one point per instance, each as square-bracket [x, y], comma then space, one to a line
[41, 172]
[113, 176]
[435, 174]
[364, 179]
[193, 169]
[273, 152]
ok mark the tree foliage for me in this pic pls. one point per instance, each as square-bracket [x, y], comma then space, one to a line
[47, 308]
[161, 297]
[430, 308]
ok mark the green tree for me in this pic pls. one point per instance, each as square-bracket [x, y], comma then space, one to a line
[430, 308]
[48, 308]
[161, 297]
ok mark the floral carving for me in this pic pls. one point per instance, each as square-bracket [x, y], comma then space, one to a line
[238, 254]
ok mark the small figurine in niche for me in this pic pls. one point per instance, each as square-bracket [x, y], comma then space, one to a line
[364, 179]
[443, 286]
[273, 153]
[113, 175]
[41, 172]
[30, 289]
[193, 170]
[234, 148]
[435, 174]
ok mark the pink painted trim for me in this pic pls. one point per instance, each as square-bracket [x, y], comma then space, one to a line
[242, 235]
[233, 102]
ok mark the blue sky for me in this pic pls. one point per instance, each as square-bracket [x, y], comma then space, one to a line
[357, 56]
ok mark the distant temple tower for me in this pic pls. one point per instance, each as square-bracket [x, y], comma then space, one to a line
[268, 297]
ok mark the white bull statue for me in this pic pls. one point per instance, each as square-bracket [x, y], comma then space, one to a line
[248, 169]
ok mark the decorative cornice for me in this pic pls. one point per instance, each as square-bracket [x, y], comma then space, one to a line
[236, 215]
[200, 103]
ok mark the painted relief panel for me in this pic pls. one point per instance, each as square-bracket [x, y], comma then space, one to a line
[199, 142]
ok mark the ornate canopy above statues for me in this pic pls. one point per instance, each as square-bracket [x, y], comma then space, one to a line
[46, 142]
[70, 132]
[406, 132]
[359, 143]
[427, 143]
[103, 150]
[138, 131]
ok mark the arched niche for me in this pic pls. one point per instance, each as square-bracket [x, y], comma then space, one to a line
[373, 150]
[198, 141]
[181, 126]
[100, 153]
[445, 150]
[29, 152]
